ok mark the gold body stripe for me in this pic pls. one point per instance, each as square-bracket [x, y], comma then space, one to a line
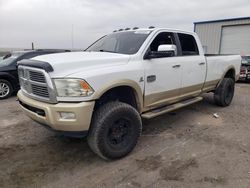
[172, 96]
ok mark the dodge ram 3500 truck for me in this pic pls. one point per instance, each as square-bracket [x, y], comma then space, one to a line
[121, 78]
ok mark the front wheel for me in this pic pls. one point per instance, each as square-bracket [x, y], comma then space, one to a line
[115, 130]
[6, 89]
[223, 95]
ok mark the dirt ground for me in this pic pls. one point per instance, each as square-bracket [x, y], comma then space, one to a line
[186, 148]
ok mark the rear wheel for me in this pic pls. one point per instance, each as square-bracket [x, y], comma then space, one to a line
[223, 95]
[6, 89]
[115, 130]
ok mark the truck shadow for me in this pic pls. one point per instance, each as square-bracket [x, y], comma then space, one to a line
[168, 121]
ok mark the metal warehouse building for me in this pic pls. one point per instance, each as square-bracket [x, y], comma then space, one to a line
[228, 36]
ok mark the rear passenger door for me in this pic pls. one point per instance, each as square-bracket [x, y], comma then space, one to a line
[193, 66]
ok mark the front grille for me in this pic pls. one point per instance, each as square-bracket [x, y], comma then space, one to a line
[40, 91]
[37, 76]
[36, 83]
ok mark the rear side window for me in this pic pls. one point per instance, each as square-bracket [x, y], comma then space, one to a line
[188, 44]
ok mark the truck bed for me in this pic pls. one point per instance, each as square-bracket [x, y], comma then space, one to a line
[218, 65]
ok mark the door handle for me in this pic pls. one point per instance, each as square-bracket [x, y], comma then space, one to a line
[176, 66]
[202, 63]
[151, 78]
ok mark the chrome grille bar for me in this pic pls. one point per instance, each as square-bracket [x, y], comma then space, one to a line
[36, 83]
[37, 77]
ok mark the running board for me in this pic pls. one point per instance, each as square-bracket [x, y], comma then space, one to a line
[169, 108]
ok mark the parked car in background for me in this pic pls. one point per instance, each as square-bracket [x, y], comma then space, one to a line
[8, 69]
[245, 68]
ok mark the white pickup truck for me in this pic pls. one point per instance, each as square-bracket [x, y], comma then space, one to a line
[105, 91]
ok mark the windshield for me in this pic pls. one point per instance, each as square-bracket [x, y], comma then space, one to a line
[6, 62]
[10, 59]
[246, 60]
[128, 42]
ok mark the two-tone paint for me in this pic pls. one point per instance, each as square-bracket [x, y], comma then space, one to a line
[194, 75]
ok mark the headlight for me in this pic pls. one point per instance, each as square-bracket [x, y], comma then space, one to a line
[72, 88]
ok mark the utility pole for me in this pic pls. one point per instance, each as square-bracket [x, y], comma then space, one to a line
[32, 46]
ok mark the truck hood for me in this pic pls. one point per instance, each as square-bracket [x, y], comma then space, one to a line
[66, 64]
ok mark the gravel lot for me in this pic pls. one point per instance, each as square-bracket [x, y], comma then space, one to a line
[187, 148]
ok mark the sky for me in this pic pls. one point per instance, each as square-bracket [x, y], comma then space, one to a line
[77, 23]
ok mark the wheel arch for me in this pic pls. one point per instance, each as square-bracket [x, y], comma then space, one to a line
[132, 87]
[9, 78]
[229, 73]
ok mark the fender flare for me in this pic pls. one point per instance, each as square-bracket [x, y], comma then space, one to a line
[118, 83]
[225, 72]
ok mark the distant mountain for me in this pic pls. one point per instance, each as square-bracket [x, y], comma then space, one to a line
[10, 49]
[4, 51]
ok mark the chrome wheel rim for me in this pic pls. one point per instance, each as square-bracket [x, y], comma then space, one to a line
[4, 89]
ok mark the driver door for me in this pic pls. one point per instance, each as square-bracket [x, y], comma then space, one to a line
[162, 74]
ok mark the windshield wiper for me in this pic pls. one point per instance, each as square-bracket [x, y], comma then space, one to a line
[107, 51]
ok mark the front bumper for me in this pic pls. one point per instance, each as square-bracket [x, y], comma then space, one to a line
[48, 114]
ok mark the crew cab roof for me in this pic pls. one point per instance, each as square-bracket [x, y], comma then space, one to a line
[157, 29]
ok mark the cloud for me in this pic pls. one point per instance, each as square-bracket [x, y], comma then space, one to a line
[49, 23]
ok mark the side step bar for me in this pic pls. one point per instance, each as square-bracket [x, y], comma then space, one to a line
[169, 108]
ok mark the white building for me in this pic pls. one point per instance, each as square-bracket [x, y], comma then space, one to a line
[228, 36]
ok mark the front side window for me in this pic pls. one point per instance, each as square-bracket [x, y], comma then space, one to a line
[188, 44]
[128, 42]
[161, 39]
